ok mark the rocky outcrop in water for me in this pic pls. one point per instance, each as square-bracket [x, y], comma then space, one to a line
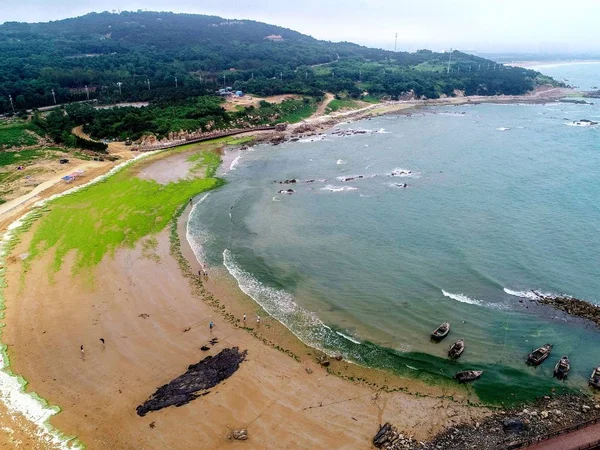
[199, 377]
[572, 306]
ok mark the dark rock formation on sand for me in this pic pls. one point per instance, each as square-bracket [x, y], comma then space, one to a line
[199, 377]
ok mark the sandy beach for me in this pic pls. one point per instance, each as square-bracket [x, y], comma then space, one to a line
[141, 303]
[154, 317]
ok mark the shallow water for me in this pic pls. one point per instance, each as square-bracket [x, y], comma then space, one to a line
[500, 199]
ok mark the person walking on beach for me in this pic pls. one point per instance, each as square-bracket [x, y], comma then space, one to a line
[82, 352]
[258, 320]
[205, 271]
[102, 340]
[244, 319]
[211, 325]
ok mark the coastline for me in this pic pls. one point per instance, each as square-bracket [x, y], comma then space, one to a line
[272, 334]
[146, 343]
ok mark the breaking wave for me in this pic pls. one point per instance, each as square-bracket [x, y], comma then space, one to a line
[235, 162]
[279, 304]
[340, 162]
[332, 188]
[530, 294]
[461, 298]
[345, 336]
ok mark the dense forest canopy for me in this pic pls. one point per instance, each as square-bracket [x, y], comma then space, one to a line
[134, 56]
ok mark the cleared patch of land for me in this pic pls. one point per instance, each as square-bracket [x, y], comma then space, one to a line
[233, 103]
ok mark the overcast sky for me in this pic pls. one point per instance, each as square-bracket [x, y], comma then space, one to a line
[476, 25]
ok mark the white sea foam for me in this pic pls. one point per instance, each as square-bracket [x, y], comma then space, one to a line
[333, 188]
[235, 162]
[411, 367]
[340, 162]
[522, 294]
[503, 129]
[400, 172]
[197, 240]
[345, 336]
[530, 294]
[319, 137]
[461, 298]
[279, 304]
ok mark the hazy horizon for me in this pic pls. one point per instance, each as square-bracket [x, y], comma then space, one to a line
[508, 27]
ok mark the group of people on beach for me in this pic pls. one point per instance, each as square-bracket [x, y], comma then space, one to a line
[203, 272]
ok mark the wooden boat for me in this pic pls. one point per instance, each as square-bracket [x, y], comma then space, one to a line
[456, 349]
[595, 378]
[539, 355]
[562, 367]
[441, 332]
[467, 375]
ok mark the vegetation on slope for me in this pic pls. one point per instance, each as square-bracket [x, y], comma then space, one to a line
[147, 51]
[117, 212]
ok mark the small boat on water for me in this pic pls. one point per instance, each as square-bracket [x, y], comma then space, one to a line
[467, 375]
[562, 367]
[441, 332]
[539, 355]
[595, 378]
[456, 349]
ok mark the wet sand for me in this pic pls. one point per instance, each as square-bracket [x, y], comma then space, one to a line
[142, 305]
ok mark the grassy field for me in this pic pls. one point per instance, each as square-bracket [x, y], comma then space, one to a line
[16, 134]
[345, 103]
[25, 157]
[116, 212]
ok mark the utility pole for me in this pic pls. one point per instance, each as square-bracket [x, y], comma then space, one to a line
[87, 92]
[120, 84]
[281, 76]
[449, 59]
[223, 80]
[11, 103]
[54, 96]
[396, 42]
[306, 75]
[176, 83]
[148, 82]
[359, 74]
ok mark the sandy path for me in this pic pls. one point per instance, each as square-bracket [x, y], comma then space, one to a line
[15, 206]
[323, 105]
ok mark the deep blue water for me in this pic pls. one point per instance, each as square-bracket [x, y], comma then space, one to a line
[500, 199]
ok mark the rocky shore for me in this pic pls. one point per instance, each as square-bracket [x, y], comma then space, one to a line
[572, 306]
[502, 429]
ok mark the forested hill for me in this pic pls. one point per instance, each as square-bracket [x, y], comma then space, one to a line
[145, 51]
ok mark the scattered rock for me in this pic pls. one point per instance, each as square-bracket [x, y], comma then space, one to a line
[308, 370]
[514, 426]
[586, 408]
[240, 435]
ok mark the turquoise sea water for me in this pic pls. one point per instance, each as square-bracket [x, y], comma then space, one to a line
[500, 199]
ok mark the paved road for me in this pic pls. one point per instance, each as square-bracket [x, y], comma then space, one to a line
[572, 441]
